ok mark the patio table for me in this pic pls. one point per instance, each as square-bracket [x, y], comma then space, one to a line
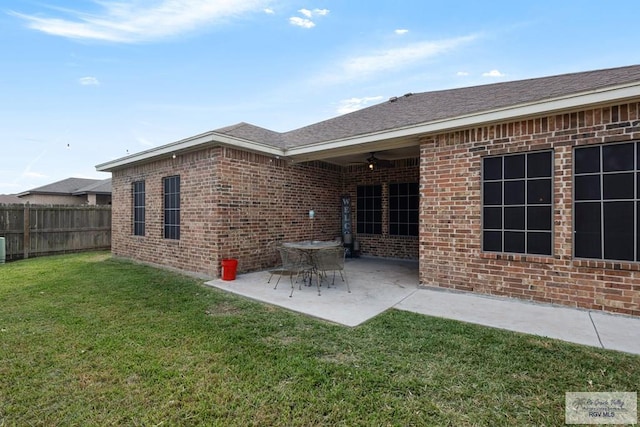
[311, 245]
[308, 248]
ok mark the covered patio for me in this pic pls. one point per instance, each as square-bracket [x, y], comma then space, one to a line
[377, 284]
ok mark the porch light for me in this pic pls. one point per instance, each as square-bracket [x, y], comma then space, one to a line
[372, 161]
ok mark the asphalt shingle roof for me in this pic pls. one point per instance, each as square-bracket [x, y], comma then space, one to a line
[253, 133]
[103, 187]
[67, 186]
[425, 107]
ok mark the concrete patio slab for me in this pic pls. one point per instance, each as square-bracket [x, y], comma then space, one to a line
[544, 320]
[379, 284]
[376, 285]
[597, 329]
[620, 333]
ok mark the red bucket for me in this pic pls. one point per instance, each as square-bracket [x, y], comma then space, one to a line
[229, 267]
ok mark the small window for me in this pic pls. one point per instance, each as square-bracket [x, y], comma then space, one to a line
[171, 187]
[517, 199]
[369, 209]
[138, 208]
[403, 209]
[606, 199]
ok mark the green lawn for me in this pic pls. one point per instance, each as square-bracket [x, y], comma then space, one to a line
[89, 340]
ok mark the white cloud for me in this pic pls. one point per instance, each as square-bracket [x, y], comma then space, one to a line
[269, 11]
[134, 21]
[401, 31]
[301, 22]
[89, 81]
[493, 73]
[315, 12]
[352, 104]
[307, 22]
[462, 73]
[395, 58]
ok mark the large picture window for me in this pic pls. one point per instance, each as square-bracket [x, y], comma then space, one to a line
[517, 203]
[606, 202]
[403, 209]
[138, 208]
[369, 209]
[171, 192]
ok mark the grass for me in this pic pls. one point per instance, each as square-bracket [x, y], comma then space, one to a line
[90, 340]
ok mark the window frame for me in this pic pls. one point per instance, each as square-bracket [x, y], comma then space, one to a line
[404, 216]
[138, 190]
[527, 229]
[369, 209]
[171, 207]
[609, 194]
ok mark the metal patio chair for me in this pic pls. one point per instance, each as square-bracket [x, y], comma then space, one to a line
[273, 250]
[331, 259]
[293, 263]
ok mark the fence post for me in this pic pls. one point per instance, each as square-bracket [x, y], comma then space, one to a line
[26, 240]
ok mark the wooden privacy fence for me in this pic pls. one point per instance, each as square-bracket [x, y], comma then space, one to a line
[36, 230]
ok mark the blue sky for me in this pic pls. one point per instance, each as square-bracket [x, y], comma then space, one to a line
[86, 82]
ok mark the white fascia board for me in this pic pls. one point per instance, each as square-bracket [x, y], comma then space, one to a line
[189, 144]
[585, 99]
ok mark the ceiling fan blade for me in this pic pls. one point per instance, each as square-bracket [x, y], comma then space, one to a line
[375, 162]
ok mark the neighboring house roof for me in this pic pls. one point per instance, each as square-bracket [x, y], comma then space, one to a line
[10, 199]
[402, 118]
[70, 186]
[99, 187]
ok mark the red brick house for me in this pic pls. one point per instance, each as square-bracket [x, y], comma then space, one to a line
[527, 189]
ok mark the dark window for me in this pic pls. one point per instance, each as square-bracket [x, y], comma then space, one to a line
[606, 179]
[517, 197]
[369, 209]
[403, 209]
[171, 192]
[138, 208]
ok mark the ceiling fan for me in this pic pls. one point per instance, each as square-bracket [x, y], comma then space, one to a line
[373, 162]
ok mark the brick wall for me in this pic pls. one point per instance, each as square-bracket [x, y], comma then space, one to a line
[450, 214]
[233, 203]
[259, 199]
[195, 251]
